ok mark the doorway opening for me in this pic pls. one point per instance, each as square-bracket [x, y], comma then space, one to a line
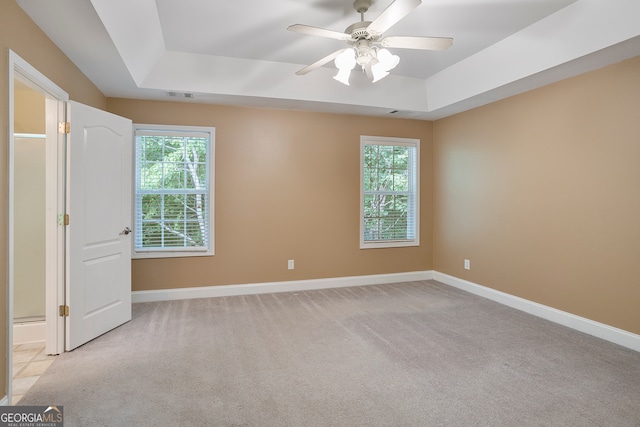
[29, 139]
[35, 242]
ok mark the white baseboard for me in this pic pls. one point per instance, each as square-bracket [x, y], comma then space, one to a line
[4, 401]
[28, 332]
[271, 287]
[600, 330]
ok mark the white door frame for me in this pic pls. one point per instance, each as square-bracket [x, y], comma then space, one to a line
[55, 189]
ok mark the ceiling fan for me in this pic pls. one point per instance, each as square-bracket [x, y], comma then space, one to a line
[367, 45]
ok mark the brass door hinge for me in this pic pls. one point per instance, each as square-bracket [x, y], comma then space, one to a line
[64, 311]
[64, 127]
[63, 219]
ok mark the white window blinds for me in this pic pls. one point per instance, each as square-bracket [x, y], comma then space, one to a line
[389, 199]
[173, 190]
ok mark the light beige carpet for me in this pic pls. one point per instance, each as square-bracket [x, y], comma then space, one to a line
[407, 354]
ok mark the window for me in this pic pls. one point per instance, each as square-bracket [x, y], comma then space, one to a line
[173, 191]
[389, 199]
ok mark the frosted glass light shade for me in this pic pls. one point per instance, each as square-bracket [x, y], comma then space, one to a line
[345, 63]
[387, 60]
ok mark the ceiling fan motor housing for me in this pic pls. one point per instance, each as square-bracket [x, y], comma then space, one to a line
[359, 30]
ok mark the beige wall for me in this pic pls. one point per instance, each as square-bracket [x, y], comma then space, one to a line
[287, 187]
[20, 34]
[28, 109]
[541, 193]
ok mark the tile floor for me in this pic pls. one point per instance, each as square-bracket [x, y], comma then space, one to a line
[29, 362]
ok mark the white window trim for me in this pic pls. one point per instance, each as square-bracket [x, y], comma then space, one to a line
[143, 253]
[390, 141]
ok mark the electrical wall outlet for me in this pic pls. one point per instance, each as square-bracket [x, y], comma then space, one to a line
[467, 264]
[290, 264]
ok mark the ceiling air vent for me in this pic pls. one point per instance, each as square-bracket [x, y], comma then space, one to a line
[400, 113]
[175, 94]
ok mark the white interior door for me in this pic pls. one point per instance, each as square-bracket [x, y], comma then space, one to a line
[98, 281]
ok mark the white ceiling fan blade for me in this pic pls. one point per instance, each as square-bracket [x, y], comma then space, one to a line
[392, 14]
[319, 63]
[315, 31]
[423, 43]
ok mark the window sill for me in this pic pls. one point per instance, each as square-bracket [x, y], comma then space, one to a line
[169, 254]
[382, 245]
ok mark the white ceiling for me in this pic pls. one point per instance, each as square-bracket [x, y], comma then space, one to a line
[240, 53]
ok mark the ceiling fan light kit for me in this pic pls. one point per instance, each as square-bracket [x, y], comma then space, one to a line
[367, 46]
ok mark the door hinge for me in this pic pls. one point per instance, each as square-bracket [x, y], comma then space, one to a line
[64, 311]
[64, 127]
[63, 219]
